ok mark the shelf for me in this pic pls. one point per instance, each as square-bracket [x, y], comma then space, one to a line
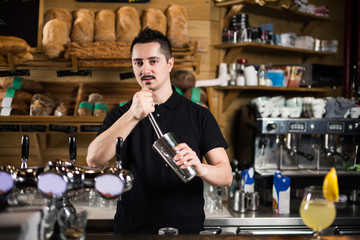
[250, 6]
[230, 93]
[50, 124]
[235, 48]
[184, 58]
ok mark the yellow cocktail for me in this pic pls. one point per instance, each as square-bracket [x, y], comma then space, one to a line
[317, 214]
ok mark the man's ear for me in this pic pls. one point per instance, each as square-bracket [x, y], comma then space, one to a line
[171, 64]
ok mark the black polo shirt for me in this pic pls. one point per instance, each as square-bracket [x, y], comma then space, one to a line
[159, 198]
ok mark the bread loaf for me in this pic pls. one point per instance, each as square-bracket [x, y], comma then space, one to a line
[197, 95]
[55, 36]
[22, 83]
[41, 105]
[19, 95]
[127, 24]
[17, 58]
[183, 79]
[105, 25]
[83, 26]
[62, 14]
[95, 98]
[11, 44]
[177, 26]
[155, 19]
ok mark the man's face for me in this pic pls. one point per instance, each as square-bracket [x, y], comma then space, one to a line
[150, 66]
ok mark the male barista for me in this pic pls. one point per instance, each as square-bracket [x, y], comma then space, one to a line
[159, 198]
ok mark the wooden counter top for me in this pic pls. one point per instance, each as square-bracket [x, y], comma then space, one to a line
[214, 237]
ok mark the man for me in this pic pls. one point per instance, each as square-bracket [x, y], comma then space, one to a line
[159, 198]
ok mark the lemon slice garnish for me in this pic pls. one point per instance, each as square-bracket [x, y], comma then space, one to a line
[330, 186]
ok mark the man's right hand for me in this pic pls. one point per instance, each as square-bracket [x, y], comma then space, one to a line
[143, 104]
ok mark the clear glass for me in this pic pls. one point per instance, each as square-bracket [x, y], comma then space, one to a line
[316, 211]
[73, 226]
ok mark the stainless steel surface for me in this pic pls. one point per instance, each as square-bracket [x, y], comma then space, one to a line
[165, 147]
[308, 126]
[156, 127]
[266, 221]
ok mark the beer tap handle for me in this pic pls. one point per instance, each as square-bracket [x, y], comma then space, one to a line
[24, 151]
[119, 145]
[72, 148]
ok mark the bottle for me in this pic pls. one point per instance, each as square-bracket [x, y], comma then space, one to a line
[240, 80]
[262, 75]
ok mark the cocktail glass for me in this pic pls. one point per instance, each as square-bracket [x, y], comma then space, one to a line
[316, 211]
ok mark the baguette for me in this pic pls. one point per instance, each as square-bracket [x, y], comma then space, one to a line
[26, 84]
[177, 26]
[105, 26]
[155, 19]
[19, 95]
[17, 58]
[83, 26]
[127, 24]
[17, 104]
[98, 50]
[12, 44]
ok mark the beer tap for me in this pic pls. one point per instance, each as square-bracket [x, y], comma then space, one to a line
[114, 179]
[24, 151]
[72, 149]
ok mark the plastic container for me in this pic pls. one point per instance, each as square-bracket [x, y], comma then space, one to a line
[276, 76]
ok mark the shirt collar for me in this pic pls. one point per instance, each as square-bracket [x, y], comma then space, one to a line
[173, 99]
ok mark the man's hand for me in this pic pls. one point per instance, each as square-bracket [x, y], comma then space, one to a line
[142, 104]
[186, 157]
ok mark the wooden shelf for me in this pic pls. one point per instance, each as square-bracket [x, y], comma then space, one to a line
[184, 58]
[230, 93]
[250, 6]
[235, 48]
[50, 124]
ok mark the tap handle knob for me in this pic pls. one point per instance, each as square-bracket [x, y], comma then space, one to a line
[119, 145]
[24, 151]
[72, 148]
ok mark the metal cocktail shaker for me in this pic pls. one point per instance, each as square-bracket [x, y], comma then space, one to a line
[165, 147]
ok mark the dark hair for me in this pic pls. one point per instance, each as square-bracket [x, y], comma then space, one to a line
[149, 35]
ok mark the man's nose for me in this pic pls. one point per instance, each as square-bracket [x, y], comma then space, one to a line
[146, 69]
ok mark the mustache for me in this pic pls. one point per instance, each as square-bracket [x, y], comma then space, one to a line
[147, 77]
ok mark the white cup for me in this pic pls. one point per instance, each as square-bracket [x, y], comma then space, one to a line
[223, 69]
[275, 112]
[318, 112]
[291, 112]
[259, 102]
[251, 78]
[294, 102]
[355, 112]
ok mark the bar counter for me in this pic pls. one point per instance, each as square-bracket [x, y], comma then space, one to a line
[214, 237]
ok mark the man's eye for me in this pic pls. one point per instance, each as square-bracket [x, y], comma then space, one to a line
[153, 61]
[138, 63]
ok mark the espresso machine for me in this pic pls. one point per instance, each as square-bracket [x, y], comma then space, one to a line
[305, 149]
